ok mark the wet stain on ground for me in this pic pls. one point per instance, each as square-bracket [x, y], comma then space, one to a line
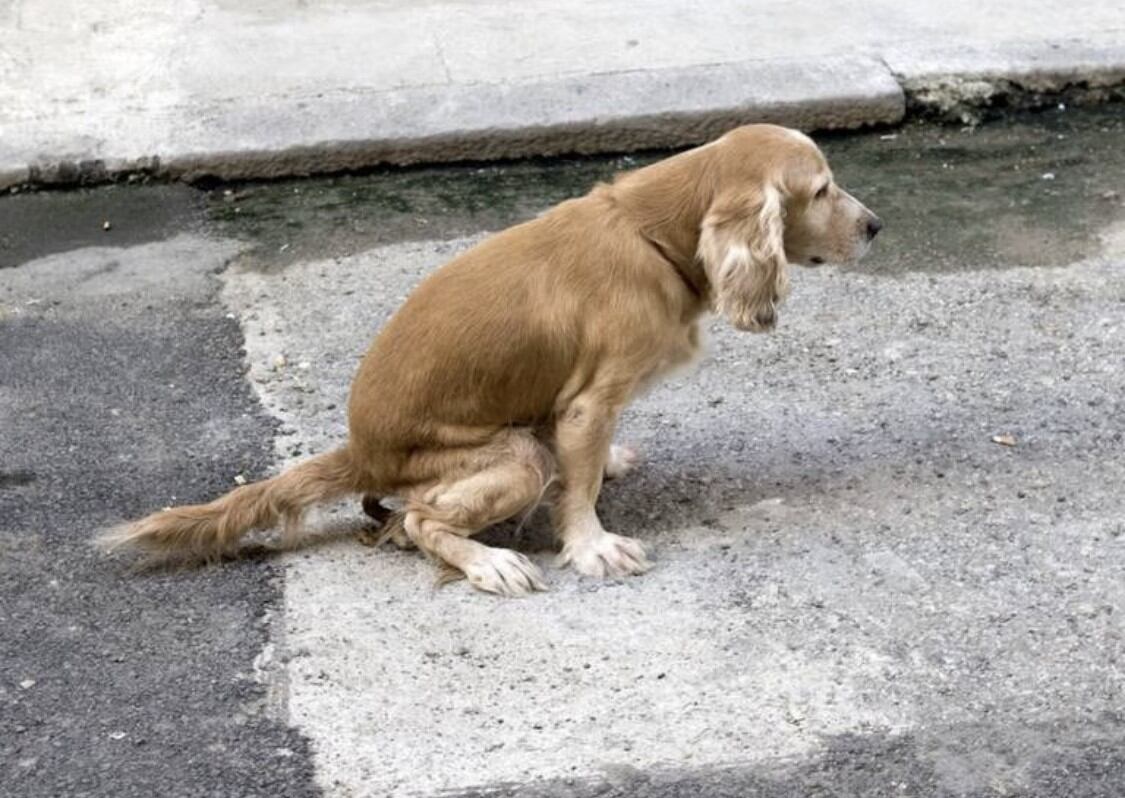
[39, 223]
[1033, 191]
[1030, 189]
[295, 220]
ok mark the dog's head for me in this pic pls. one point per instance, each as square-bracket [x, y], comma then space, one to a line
[773, 202]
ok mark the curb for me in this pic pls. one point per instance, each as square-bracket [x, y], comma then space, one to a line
[962, 85]
[610, 112]
[616, 112]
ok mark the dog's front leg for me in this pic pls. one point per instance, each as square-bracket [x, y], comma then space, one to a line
[583, 433]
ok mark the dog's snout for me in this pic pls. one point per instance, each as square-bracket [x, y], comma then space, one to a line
[874, 225]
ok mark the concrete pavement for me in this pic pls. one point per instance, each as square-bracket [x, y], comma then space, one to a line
[843, 549]
[283, 87]
[846, 557]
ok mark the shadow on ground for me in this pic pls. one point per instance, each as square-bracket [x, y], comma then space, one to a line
[967, 762]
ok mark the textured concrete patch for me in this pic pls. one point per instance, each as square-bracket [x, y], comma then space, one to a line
[843, 549]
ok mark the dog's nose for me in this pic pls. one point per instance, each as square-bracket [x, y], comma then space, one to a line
[873, 227]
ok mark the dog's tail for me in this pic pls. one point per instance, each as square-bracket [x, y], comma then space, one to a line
[208, 531]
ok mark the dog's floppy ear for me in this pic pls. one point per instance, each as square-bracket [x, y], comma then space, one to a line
[742, 247]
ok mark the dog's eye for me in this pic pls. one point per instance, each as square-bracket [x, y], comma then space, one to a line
[822, 192]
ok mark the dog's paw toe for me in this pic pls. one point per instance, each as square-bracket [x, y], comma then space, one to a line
[505, 572]
[607, 555]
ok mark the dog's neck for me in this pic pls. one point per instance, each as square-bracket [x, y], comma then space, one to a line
[692, 275]
[668, 216]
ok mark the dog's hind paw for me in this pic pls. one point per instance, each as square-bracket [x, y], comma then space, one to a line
[506, 572]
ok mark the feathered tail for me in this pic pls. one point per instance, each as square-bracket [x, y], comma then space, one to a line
[208, 531]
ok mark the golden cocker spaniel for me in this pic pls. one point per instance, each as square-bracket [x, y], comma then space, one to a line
[498, 383]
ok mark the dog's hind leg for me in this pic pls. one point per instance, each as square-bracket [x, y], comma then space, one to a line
[374, 509]
[388, 522]
[511, 480]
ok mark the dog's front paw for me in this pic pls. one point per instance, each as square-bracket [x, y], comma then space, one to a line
[606, 554]
[506, 572]
[621, 460]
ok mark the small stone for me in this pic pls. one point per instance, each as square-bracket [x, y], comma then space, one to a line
[106, 225]
[1004, 440]
[239, 479]
[27, 684]
[1047, 176]
[279, 362]
[117, 735]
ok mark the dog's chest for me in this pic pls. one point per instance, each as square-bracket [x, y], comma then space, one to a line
[681, 353]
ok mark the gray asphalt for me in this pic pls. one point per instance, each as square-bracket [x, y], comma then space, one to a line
[121, 382]
[122, 388]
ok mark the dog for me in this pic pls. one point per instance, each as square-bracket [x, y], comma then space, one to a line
[502, 376]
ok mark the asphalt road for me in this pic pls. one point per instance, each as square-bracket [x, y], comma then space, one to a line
[122, 388]
[858, 592]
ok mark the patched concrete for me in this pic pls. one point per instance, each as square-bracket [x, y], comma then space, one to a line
[843, 550]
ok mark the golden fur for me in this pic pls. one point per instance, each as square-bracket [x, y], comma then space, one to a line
[505, 371]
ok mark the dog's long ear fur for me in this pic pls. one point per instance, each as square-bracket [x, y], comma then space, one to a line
[742, 247]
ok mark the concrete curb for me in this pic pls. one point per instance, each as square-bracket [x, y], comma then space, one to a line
[611, 112]
[958, 85]
[582, 115]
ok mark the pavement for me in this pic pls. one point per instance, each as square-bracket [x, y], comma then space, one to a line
[889, 537]
[91, 92]
[120, 369]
